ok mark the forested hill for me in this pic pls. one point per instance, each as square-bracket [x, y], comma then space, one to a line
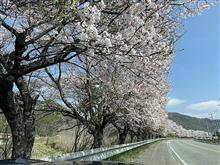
[194, 123]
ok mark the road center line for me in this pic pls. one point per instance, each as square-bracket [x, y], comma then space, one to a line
[176, 154]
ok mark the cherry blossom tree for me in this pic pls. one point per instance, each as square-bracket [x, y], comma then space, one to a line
[179, 131]
[88, 100]
[30, 40]
[137, 35]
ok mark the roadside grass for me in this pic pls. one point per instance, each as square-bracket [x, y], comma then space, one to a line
[43, 148]
[130, 155]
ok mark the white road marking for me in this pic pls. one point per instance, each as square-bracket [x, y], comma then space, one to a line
[176, 154]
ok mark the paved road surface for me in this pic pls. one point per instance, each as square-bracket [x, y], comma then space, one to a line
[180, 152]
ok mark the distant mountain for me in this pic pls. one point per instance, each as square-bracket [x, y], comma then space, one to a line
[194, 123]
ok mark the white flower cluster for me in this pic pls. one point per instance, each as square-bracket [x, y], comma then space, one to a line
[137, 37]
[178, 130]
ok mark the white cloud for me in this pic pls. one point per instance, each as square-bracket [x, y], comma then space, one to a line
[206, 105]
[174, 101]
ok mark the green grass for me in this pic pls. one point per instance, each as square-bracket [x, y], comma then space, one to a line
[130, 155]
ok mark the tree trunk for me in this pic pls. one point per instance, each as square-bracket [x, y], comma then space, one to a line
[20, 121]
[122, 136]
[139, 138]
[23, 133]
[97, 138]
[143, 137]
[132, 137]
[28, 116]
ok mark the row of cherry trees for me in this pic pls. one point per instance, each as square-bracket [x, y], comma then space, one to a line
[179, 131]
[105, 61]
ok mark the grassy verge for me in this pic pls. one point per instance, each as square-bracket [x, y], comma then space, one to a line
[42, 149]
[128, 156]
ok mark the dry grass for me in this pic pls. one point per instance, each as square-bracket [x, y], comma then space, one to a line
[109, 141]
[53, 146]
[64, 142]
[43, 148]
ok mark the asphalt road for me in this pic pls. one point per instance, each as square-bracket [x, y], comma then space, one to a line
[180, 152]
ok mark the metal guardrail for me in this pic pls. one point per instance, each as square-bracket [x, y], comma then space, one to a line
[99, 153]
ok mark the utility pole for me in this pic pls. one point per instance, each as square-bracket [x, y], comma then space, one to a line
[218, 114]
[211, 118]
[211, 115]
[207, 127]
[207, 124]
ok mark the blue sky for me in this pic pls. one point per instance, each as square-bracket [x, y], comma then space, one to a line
[194, 75]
